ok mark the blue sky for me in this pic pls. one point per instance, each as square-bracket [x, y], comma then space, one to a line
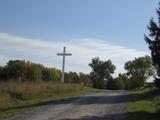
[117, 21]
[111, 23]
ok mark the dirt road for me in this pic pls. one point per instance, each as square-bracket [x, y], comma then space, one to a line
[100, 105]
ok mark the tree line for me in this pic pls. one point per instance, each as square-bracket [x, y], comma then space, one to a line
[20, 70]
[137, 72]
[101, 76]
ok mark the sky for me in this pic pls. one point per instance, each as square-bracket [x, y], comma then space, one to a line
[36, 30]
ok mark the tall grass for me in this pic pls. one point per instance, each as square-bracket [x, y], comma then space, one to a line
[18, 95]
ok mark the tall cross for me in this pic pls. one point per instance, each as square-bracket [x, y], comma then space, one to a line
[64, 54]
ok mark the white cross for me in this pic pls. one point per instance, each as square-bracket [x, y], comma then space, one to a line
[63, 63]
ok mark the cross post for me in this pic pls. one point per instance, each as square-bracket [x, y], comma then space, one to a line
[64, 54]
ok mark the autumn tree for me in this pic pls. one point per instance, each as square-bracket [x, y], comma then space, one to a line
[16, 69]
[85, 80]
[71, 77]
[51, 74]
[35, 72]
[28, 71]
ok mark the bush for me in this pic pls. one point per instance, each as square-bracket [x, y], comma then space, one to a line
[119, 84]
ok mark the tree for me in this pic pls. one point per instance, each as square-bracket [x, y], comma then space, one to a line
[85, 79]
[139, 70]
[126, 80]
[3, 74]
[119, 84]
[56, 74]
[35, 72]
[101, 72]
[16, 69]
[72, 77]
[51, 74]
[47, 76]
[110, 84]
[26, 70]
[153, 41]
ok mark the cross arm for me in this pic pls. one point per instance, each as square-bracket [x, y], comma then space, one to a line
[66, 54]
[60, 54]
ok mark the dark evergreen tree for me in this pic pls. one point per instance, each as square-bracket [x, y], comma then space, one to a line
[153, 41]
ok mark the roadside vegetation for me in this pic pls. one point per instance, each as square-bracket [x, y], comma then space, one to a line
[137, 73]
[18, 97]
[144, 104]
[26, 71]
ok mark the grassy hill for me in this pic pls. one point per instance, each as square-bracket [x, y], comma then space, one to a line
[144, 104]
[19, 97]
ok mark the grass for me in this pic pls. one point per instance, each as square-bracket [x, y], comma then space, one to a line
[19, 97]
[144, 104]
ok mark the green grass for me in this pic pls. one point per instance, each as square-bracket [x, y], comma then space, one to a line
[144, 104]
[18, 97]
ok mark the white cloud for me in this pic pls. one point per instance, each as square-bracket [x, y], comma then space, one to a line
[83, 50]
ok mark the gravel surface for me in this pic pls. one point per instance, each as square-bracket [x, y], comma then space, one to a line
[100, 105]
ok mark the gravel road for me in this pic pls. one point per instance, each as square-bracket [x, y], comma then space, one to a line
[100, 105]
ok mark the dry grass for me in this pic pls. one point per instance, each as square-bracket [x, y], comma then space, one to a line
[4, 96]
[15, 97]
[30, 90]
